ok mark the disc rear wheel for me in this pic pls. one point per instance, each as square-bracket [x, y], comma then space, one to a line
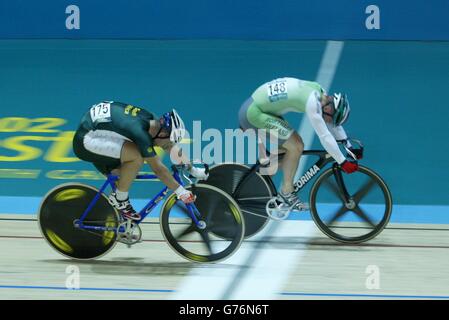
[251, 193]
[59, 213]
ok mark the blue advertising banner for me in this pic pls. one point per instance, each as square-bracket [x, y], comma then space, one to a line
[226, 19]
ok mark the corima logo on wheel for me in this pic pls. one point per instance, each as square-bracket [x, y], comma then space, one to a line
[307, 176]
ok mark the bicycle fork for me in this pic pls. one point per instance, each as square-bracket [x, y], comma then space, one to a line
[344, 194]
[195, 215]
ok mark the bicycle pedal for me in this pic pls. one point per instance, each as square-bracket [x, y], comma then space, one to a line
[301, 207]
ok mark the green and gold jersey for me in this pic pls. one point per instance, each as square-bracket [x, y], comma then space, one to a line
[129, 121]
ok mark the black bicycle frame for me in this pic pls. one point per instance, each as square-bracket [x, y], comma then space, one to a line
[324, 159]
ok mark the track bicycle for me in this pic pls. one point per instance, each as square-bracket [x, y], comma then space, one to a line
[350, 208]
[78, 221]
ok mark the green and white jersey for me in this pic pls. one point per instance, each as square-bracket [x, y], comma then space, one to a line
[284, 95]
[273, 99]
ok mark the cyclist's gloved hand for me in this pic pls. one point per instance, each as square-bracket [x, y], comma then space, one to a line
[357, 152]
[184, 195]
[199, 173]
[349, 166]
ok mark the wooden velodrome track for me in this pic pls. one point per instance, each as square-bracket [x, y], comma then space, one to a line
[410, 262]
[294, 261]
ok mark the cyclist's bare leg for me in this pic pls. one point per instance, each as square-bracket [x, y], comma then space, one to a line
[132, 161]
[274, 162]
[294, 146]
[116, 172]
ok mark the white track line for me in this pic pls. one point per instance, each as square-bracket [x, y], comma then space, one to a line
[259, 270]
[270, 269]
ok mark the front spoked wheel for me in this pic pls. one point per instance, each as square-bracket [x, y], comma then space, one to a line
[218, 215]
[360, 219]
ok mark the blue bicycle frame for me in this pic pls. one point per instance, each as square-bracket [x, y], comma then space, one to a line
[146, 210]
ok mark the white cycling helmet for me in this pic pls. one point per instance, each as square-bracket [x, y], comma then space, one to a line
[173, 123]
[342, 109]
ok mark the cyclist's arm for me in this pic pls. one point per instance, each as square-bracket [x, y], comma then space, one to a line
[314, 113]
[161, 171]
[167, 145]
[145, 145]
[339, 134]
[177, 156]
[337, 131]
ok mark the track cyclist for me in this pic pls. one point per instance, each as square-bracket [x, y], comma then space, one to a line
[327, 114]
[118, 138]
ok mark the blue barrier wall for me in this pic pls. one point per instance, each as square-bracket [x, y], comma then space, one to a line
[226, 19]
[397, 88]
[398, 101]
